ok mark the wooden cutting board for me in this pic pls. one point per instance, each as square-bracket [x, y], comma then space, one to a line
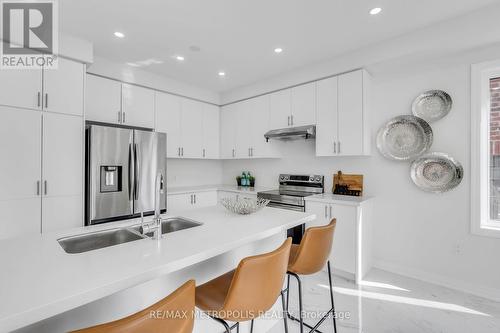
[354, 182]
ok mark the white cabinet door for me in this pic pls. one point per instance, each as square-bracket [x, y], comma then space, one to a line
[103, 99]
[211, 131]
[303, 103]
[350, 109]
[62, 178]
[63, 88]
[327, 117]
[21, 88]
[228, 121]
[260, 125]
[168, 120]
[205, 199]
[191, 128]
[343, 255]
[280, 109]
[321, 211]
[138, 106]
[243, 128]
[179, 202]
[20, 148]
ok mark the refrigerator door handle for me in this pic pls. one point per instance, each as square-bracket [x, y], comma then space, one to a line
[136, 172]
[130, 167]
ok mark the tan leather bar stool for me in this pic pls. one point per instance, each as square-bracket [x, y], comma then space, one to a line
[174, 314]
[309, 257]
[247, 292]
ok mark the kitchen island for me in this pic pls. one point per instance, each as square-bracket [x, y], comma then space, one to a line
[45, 289]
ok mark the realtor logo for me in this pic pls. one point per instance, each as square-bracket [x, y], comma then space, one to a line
[29, 34]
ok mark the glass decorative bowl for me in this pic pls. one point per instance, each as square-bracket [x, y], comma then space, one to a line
[243, 206]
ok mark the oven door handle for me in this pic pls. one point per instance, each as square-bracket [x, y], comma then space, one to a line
[285, 206]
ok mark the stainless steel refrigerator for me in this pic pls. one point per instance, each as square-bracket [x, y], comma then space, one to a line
[121, 169]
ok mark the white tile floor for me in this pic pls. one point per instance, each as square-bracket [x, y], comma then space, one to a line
[391, 303]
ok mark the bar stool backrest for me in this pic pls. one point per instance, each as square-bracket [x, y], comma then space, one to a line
[174, 314]
[256, 284]
[314, 249]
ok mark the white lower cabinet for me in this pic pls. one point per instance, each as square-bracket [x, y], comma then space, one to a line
[191, 200]
[350, 256]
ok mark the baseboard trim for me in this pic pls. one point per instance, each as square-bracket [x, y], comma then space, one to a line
[485, 292]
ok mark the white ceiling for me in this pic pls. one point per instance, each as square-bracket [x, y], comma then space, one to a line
[239, 36]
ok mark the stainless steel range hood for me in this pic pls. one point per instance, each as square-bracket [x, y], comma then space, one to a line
[291, 133]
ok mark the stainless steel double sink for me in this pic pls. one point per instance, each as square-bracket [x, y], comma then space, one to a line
[101, 239]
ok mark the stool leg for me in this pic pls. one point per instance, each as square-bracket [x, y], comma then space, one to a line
[285, 312]
[287, 292]
[223, 322]
[331, 297]
[251, 326]
[299, 284]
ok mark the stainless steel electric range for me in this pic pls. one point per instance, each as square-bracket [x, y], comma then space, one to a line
[290, 195]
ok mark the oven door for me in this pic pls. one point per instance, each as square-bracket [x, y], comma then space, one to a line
[296, 232]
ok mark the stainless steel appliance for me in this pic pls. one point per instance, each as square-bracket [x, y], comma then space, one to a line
[290, 195]
[121, 169]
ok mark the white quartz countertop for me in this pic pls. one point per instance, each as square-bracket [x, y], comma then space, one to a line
[204, 188]
[338, 199]
[39, 280]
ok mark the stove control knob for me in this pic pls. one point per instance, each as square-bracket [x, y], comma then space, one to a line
[286, 177]
[311, 178]
[282, 177]
[318, 179]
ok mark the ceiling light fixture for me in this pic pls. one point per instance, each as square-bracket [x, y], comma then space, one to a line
[180, 58]
[119, 34]
[222, 74]
[375, 11]
[278, 50]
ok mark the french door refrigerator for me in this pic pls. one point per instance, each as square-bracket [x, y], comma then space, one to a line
[121, 169]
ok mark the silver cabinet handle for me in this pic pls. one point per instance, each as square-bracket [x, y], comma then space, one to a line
[251, 152]
[38, 99]
[330, 212]
[326, 211]
[46, 100]
[233, 152]
[288, 120]
[335, 147]
[119, 117]
[37, 187]
[194, 195]
[182, 151]
[178, 151]
[191, 197]
[44, 187]
[291, 117]
[123, 117]
[338, 145]
[204, 152]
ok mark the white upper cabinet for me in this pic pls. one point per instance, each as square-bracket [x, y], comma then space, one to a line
[280, 109]
[21, 88]
[327, 117]
[228, 121]
[243, 125]
[63, 88]
[260, 118]
[138, 106]
[303, 101]
[103, 100]
[342, 115]
[168, 120]
[211, 130]
[191, 128]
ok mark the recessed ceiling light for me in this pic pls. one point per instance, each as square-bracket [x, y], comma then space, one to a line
[222, 74]
[375, 11]
[119, 34]
[180, 58]
[278, 50]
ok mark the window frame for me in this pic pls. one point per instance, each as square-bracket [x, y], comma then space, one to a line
[481, 74]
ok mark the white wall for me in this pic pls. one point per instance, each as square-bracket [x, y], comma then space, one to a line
[183, 172]
[416, 233]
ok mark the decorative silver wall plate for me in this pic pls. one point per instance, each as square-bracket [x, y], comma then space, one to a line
[404, 138]
[436, 172]
[432, 105]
